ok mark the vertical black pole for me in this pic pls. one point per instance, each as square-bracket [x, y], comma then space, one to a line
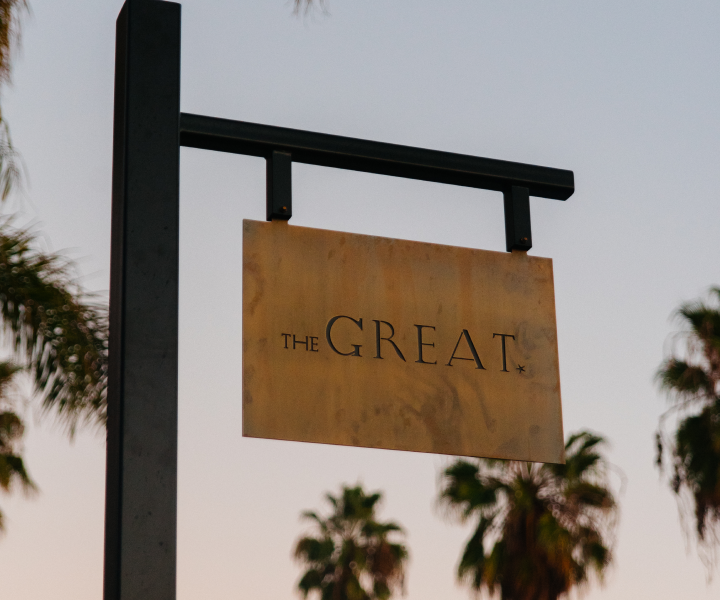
[518, 235]
[279, 186]
[141, 488]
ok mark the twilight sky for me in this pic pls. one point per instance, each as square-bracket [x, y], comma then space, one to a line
[624, 94]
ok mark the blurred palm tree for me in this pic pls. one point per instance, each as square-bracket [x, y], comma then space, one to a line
[351, 557]
[55, 332]
[542, 529]
[692, 381]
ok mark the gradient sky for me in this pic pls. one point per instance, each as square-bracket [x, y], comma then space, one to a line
[624, 94]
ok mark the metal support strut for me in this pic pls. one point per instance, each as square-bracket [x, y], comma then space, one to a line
[518, 235]
[279, 186]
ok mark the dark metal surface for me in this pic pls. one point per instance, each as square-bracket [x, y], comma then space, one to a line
[373, 157]
[279, 186]
[141, 488]
[518, 234]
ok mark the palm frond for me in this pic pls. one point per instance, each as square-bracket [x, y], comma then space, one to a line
[11, 166]
[313, 549]
[465, 491]
[685, 379]
[472, 561]
[12, 467]
[11, 12]
[311, 580]
[61, 338]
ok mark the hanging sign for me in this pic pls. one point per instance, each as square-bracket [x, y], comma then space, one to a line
[367, 341]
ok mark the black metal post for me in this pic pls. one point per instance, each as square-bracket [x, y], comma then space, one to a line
[141, 488]
[279, 186]
[518, 235]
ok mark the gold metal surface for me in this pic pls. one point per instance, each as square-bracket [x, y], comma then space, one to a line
[318, 306]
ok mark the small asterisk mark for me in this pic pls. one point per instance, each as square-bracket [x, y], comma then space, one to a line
[520, 369]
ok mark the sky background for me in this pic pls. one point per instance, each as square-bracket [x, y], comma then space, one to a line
[625, 94]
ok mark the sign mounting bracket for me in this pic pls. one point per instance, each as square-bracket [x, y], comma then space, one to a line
[325, 150]
[279, 186]
[518, 234]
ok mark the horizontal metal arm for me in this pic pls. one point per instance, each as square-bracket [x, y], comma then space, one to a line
[340, 152]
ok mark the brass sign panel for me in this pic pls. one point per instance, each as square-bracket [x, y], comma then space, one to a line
[368, 341]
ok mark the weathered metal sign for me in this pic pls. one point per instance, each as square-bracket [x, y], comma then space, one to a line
[368, 341]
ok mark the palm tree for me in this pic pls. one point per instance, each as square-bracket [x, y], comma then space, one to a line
[692, 382]
[57, 334]
[541, 529]
[53, 330]
[351, 557]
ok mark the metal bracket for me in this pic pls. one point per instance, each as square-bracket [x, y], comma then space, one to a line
[518, 234]
[279, 186]
[281, 146]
